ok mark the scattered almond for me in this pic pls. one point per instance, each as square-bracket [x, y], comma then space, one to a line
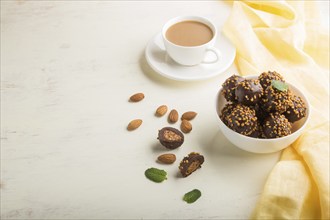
[186, 126]
[134, 124]
[173, 116]
[161, 110]
[188, 115]
[137, 97]
[167, 158]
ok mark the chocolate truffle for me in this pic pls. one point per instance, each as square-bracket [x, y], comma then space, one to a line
[275, 100]
[296, 109]
[241, 119]
[191, 163]
[266, 78]
[248, 92]
[229, 86]
[170, 138]
[258, 133]
[276, 125]
[226, 111]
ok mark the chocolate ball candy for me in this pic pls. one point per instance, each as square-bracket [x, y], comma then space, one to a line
[275, 100]
[258, 133]
[226, 111]
[191, 163]
[255, 134]
[170, 138]
[276, 125]
[229, 86]
[248, 92]
[296, 110]
[241, 119]
[266, 78]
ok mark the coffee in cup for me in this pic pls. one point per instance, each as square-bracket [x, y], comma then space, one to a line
[189, 33]
[187, 39]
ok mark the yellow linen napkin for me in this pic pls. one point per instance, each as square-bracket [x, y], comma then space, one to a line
[286, 36]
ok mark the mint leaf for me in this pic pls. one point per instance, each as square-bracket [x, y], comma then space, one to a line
[192, 196]
[279, 85]
[155, 175]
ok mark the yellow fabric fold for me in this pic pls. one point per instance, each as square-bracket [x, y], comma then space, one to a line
[286, 36]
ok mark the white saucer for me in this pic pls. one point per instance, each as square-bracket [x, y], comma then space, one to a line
[159, 60]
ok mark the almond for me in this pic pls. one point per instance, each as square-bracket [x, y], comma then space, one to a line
[186, 126]
[188, 115]
[173, 116]
[161, 110]
[134, 124]
[167, 158]
[137, 97]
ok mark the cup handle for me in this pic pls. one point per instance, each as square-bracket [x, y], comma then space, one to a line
[217, 54]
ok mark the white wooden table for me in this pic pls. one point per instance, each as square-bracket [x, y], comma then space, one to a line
[67, 71]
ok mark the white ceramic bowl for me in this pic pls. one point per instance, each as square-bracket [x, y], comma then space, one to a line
[256, 145]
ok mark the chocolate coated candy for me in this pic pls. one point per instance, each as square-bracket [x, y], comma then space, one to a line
[275, 100]
[266, 78]
[191, 163]
[258, 133]
[170, 138]
[276, 126]
[297, 109]
[248, 92]
[226, 111]
[229, 86]
[241, 119]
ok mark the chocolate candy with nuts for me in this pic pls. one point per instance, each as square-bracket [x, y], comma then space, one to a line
[240, 118]
[266, 78]
[297, 109]
[170, 138]
[229, 86]
[262, 108]
[248, 92]
[191, 163]
[258, 133]
[276, 125]
[227, 111]
[275, 100]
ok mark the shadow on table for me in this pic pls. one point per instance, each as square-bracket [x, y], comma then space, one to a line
[220, 145]
[223, 154]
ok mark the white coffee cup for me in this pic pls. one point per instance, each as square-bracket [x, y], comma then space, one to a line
[191, 55]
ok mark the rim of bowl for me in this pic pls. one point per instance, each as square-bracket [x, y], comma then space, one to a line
[268, 139]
